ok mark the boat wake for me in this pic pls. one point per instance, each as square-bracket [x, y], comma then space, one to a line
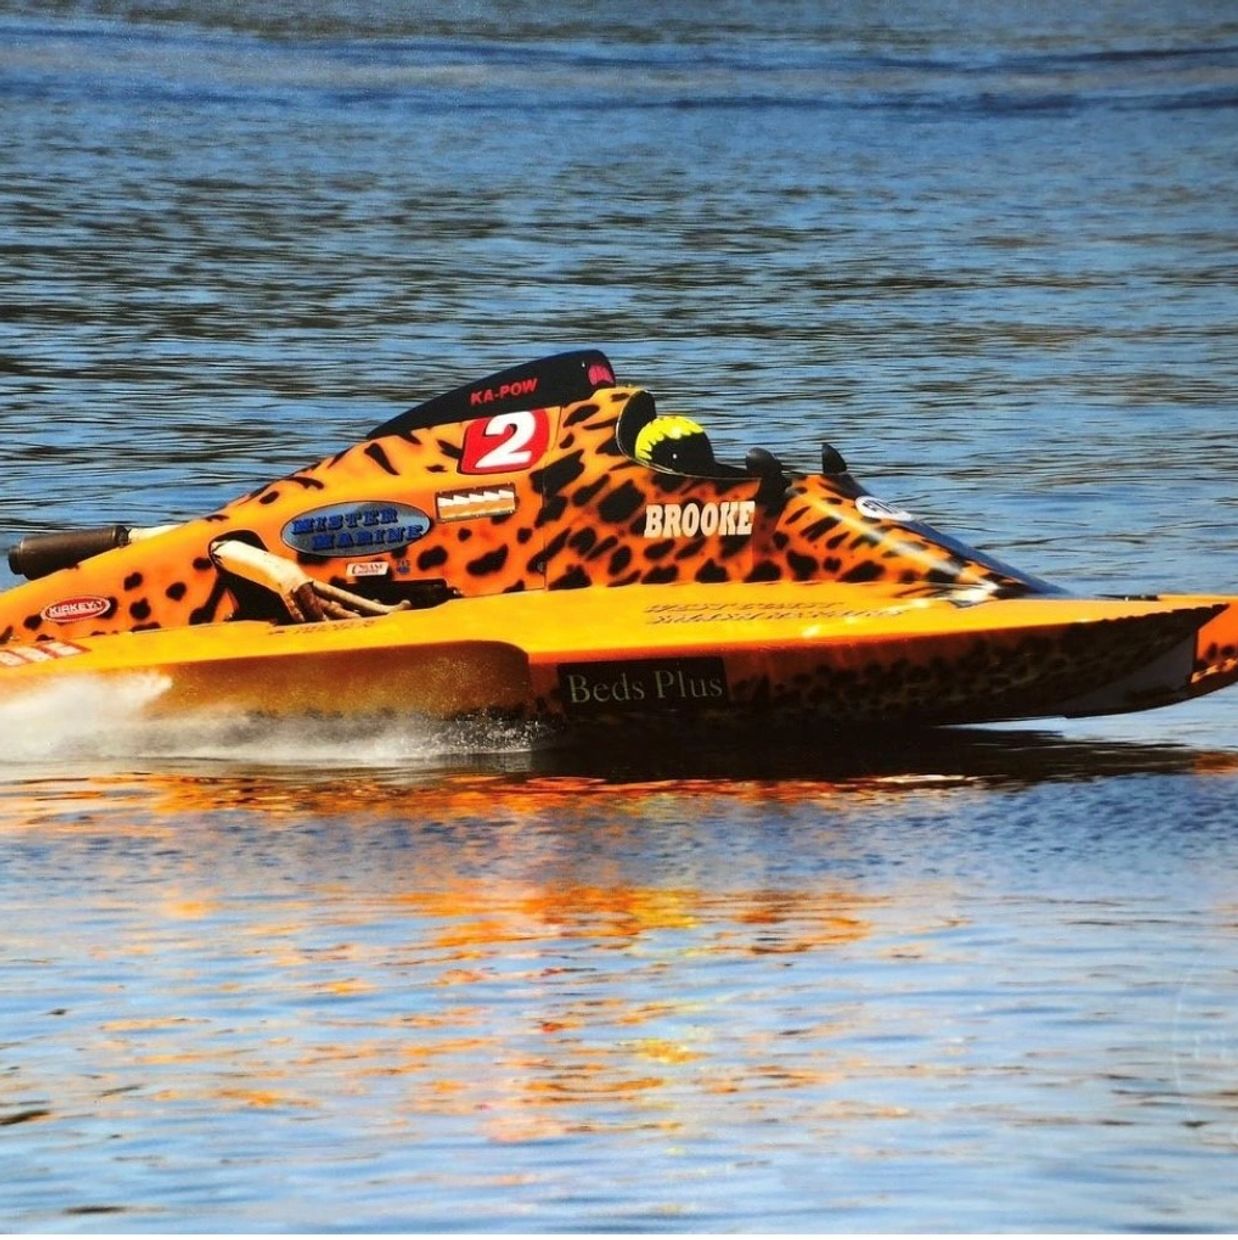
[92, 726]
[85, 719]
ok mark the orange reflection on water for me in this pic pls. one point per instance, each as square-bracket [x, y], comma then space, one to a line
[365, 796]
[512, 954]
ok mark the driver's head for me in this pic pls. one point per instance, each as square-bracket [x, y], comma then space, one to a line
[672, 441]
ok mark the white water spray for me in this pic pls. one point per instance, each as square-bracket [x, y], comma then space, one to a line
[85, 718]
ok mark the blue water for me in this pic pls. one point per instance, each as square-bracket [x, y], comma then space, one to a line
[447, 979]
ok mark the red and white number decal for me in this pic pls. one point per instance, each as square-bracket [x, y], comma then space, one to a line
[505, 443]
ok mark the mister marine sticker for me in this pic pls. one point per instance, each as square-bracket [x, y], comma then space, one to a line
[343, 530]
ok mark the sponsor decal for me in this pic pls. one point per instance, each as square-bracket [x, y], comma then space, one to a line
[345, 529]
[878, 510]
[644, 685]
[44, 652]
[758, 613]
[688, 520]
[367, 568]
[83, 607]
[495, 501]
[505, 443]
[520, 387]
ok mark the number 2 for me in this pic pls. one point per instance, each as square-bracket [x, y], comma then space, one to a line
[505, 443]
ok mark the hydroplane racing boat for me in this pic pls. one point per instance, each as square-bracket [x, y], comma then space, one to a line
[545, 545]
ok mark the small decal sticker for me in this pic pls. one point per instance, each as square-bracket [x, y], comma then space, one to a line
[44, 652]
[367, 568]
[642, 685]
[728, 517]
[878, 510]
[346, 529]
[520, 387]
[505, 443]
[495, 501]
[83, 607]
[801, 611]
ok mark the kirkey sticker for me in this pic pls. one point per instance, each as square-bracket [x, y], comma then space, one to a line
[82, 607]
[467, 505]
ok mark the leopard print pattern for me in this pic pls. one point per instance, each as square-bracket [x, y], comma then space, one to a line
[931, 681]
[584, 514]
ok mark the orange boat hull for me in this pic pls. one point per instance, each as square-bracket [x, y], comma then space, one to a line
[823, 651]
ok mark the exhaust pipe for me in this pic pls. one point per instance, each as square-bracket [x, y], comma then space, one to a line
[37, 555]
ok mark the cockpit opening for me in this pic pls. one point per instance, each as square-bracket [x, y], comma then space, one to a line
[670, 443]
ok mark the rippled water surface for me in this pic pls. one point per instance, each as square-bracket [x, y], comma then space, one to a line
[405, 978]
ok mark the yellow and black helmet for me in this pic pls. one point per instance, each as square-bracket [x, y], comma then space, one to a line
[671, 441]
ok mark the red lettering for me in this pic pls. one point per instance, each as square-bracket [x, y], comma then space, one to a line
[521, 387]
